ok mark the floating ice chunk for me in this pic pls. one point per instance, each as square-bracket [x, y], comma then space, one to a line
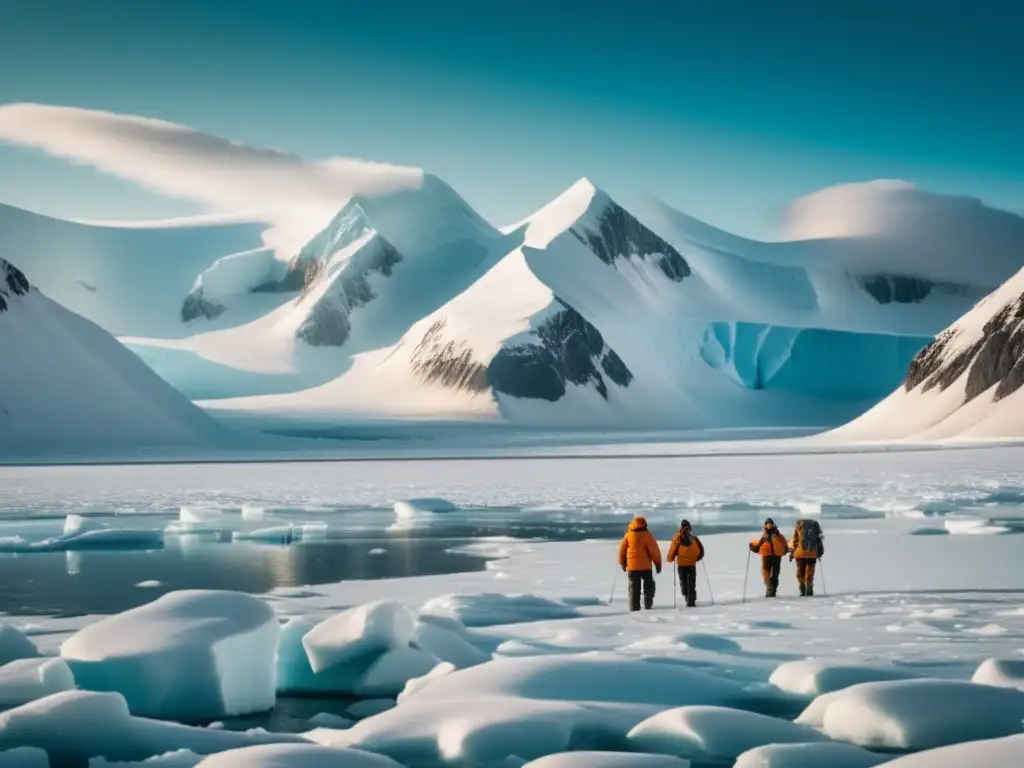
[607, 760]
[377, 551]
[809, 756]
[1006, 673]
[366, 629]
[26, 680]
[200, 514]
[715, 734]
[388, 675]
[92, 538]
[815, 677]
[278, 534]
[317, 530]
[814, 715]
[903, 715]
[369, 707]
[149, 584]
[327, 720]
[1005, 752]
[24, 757]
[14, 645]
[179, 758]
[81, 524]
[447, 645]
[495, 608]
[416, 507]
[74, 726]
[252, 512]
[973, 526]
[297, 756]
[294, 675]
[415, 684]
[189, 655]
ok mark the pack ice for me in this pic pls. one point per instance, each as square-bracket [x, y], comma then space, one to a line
[189, 655]
[371, 650]
[75, 726]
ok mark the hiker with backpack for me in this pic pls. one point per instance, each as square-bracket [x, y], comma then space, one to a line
[638, 554]
[686, 550]
[808, 548]
[771, 546]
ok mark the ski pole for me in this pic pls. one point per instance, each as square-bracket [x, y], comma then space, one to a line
[673, 586]
[824, 589]
[708, 580]
[746, 573]
[611, 597]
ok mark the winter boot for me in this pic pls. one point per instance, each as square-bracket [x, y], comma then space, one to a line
[803, 590]
[810, 590]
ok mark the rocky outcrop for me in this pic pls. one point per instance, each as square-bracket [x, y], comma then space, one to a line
[995, 360]
[196, 305]
[13, 283]
[905, 289]
[437, 360]
[619, 235]
[567, 350]
[328, 322]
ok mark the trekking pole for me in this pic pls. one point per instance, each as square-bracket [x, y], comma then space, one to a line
[708, 580]
[674, 586]
[746, 573]
[611, 597]
[824, 589]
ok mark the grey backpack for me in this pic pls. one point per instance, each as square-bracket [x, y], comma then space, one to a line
[810, 535]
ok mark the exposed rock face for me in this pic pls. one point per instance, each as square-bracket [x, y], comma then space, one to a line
[568, 350]
[995, 360]
[904, 289]
[196, 306]
[437, 360]
[13, 283]
[621, 236]
[328, 322]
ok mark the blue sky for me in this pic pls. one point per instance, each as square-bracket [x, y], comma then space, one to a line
[723, 108]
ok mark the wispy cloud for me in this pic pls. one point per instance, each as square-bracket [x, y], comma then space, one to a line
[180, 162]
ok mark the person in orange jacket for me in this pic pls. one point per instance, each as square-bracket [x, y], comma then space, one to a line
[808, 547]
[686, 550]
[771, 546]
[638, 553]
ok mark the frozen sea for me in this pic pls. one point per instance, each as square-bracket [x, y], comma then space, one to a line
[924, 579]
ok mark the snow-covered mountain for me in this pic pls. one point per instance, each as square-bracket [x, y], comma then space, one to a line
[409, 304]
[596, 316]
[129, 279]
[968, 383]
[67, 387]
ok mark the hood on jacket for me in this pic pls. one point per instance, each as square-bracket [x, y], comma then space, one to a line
[638, 524]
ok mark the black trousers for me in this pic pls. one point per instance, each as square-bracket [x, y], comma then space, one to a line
[640, 581]
[688, 583]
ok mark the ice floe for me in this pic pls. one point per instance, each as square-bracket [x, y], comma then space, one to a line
[823, 755]
[188, 655]
[921, 714]
[26, 680]
[1006, 673]
[715, 734]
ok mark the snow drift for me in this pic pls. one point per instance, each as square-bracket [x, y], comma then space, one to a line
[67, 386]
